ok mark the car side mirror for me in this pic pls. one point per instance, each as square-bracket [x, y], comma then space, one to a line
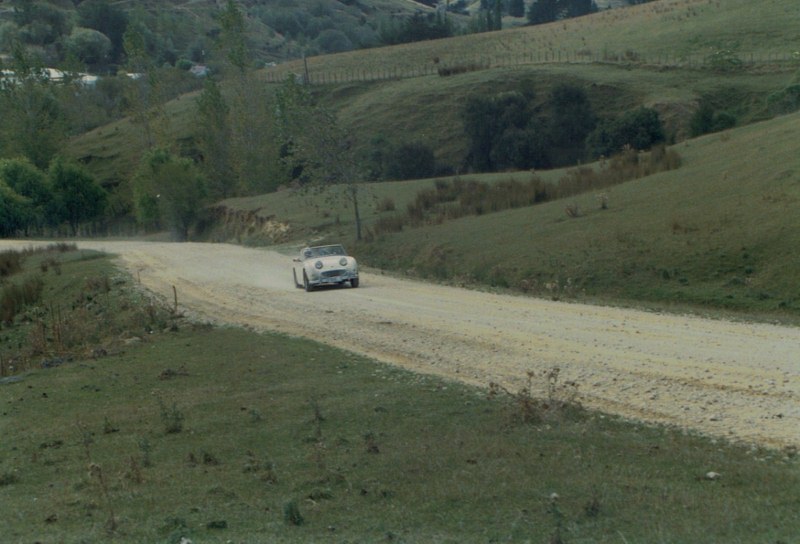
[297, 260]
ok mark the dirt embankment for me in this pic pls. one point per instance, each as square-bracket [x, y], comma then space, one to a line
[735, 380]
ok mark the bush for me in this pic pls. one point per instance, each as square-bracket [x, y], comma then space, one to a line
[639, 129]
[410, 161]
[14, 297]
[705, 120]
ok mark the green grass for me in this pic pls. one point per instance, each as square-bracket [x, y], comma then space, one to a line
[362, 451]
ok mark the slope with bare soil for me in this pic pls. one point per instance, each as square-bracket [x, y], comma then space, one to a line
[735, 380]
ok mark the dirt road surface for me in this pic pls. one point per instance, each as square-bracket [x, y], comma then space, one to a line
[740, 381]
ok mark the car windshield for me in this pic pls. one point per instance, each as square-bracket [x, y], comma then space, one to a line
[323, 251]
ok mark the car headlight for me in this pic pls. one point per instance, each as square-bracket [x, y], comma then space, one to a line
[318, 265]
[343, 261]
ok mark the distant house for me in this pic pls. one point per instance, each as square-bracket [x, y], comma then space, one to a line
[52, 74]
[199, 70]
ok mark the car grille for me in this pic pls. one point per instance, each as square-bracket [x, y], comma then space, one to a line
[332, 273]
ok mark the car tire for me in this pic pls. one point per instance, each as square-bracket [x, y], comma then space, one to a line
[306, 285]
[294, 276]
[354, 282]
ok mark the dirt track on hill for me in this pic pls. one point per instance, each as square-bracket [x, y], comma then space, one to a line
[735, 380]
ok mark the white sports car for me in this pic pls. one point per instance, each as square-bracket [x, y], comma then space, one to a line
[324, 265]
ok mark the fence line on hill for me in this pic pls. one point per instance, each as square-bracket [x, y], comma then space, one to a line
[728, 62]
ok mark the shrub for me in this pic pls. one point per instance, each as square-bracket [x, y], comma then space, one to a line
[410, 161]
[639, 129]
[10, 263]
[14, 297]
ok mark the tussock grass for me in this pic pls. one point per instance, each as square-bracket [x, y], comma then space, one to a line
[285, 440]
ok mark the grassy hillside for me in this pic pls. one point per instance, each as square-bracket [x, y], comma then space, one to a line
[679, 31]
[659, 54]
[224, 435]
[720, 231]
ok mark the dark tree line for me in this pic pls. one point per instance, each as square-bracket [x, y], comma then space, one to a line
[547, 11]
[418, 27]
[32, 200]
[511, 130]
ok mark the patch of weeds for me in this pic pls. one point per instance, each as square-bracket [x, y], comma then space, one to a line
[8, 478]
[264, 469]
[209, 459]
[291, 514]
[558, 520]
[171, 417]
[134, 472]
[145, 448]
[96, 474]
[320, 494]
[108, 427]
[255, 416]
[561, 398]
[371, 443]
[168, 373]
[592, 507]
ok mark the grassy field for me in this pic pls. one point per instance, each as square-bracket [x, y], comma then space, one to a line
[224, 435]
[678, 30]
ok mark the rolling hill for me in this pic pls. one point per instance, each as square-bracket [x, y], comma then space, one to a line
[719, 231]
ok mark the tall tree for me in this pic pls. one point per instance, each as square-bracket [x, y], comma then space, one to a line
[168, 192]
[108, 18]
[319, 149]
[33, 123]
[214, 138]
[543, 11]
[253, 146]
[15, 211]
[77, 198]
[22, 177]
[572, 121]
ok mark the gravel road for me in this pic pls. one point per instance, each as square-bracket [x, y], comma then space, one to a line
[735, 380]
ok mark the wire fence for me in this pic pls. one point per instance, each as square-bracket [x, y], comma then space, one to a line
[318, 74]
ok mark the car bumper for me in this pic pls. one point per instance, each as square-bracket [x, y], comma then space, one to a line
[333, 279]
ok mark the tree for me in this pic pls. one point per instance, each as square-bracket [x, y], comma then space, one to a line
[168, 192]
[502, 133]
[323, 150]
[543, 11]
[516, 8]
[253, 147]
[27, 181]
[33, 121]
[572, 121]
[410, 161]
[639, 129]
[77, 198]
[15, 211]
[214, 139]
[89, 46]
[107, 18]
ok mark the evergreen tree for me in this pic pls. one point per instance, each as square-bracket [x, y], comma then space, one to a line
[543, 11]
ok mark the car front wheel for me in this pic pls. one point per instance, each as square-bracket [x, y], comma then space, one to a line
[354, 282]
[307, 286]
